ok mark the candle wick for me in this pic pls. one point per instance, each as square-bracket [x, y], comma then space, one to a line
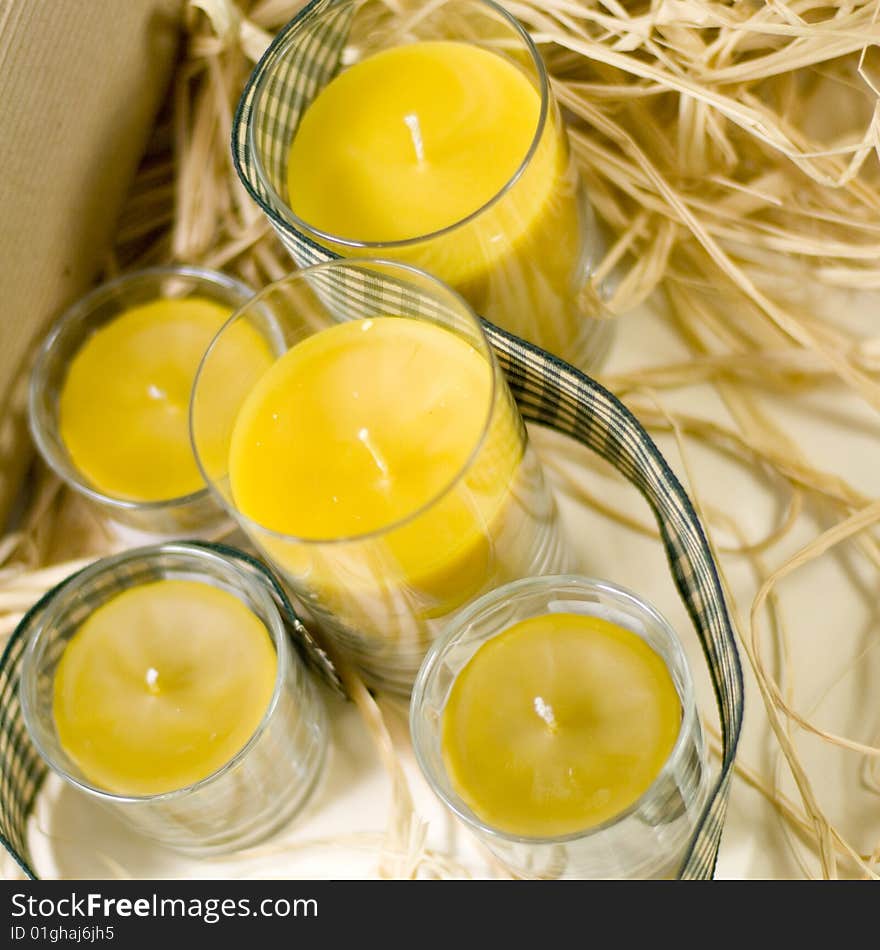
[415, 133]
[152, 678]
[364, 436]
[545, 711]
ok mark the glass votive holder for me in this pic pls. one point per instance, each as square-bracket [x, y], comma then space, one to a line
[522, 250]
[192, 514]
[382, 593]
[649, 838]
[264, 784]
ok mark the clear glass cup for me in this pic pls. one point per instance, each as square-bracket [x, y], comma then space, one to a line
[380, 612]
[647, 840]
[522, 261]
[194, 514]
[264, 784]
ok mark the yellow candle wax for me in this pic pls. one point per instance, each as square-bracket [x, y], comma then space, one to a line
[418, 138]
[123, 409]
[162, 685]
[558, 724]
[367, 426]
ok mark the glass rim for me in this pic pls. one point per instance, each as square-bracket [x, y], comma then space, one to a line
[273, 622]
[343, 264]
[279, 209]
[575, 583]
[77, 313]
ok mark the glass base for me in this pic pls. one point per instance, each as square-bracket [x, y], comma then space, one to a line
[592, 351]
[279, 810]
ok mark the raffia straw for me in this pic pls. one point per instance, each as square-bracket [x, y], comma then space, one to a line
[781, 716]
[731, 150]
[404, 842]
[829, 686]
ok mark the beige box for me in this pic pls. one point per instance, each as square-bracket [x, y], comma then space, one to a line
[80, 84]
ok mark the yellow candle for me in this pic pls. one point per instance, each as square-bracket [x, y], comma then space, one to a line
[558, 724]
[417, 138]
[123, 410]
[162, 685]
[365, 426]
